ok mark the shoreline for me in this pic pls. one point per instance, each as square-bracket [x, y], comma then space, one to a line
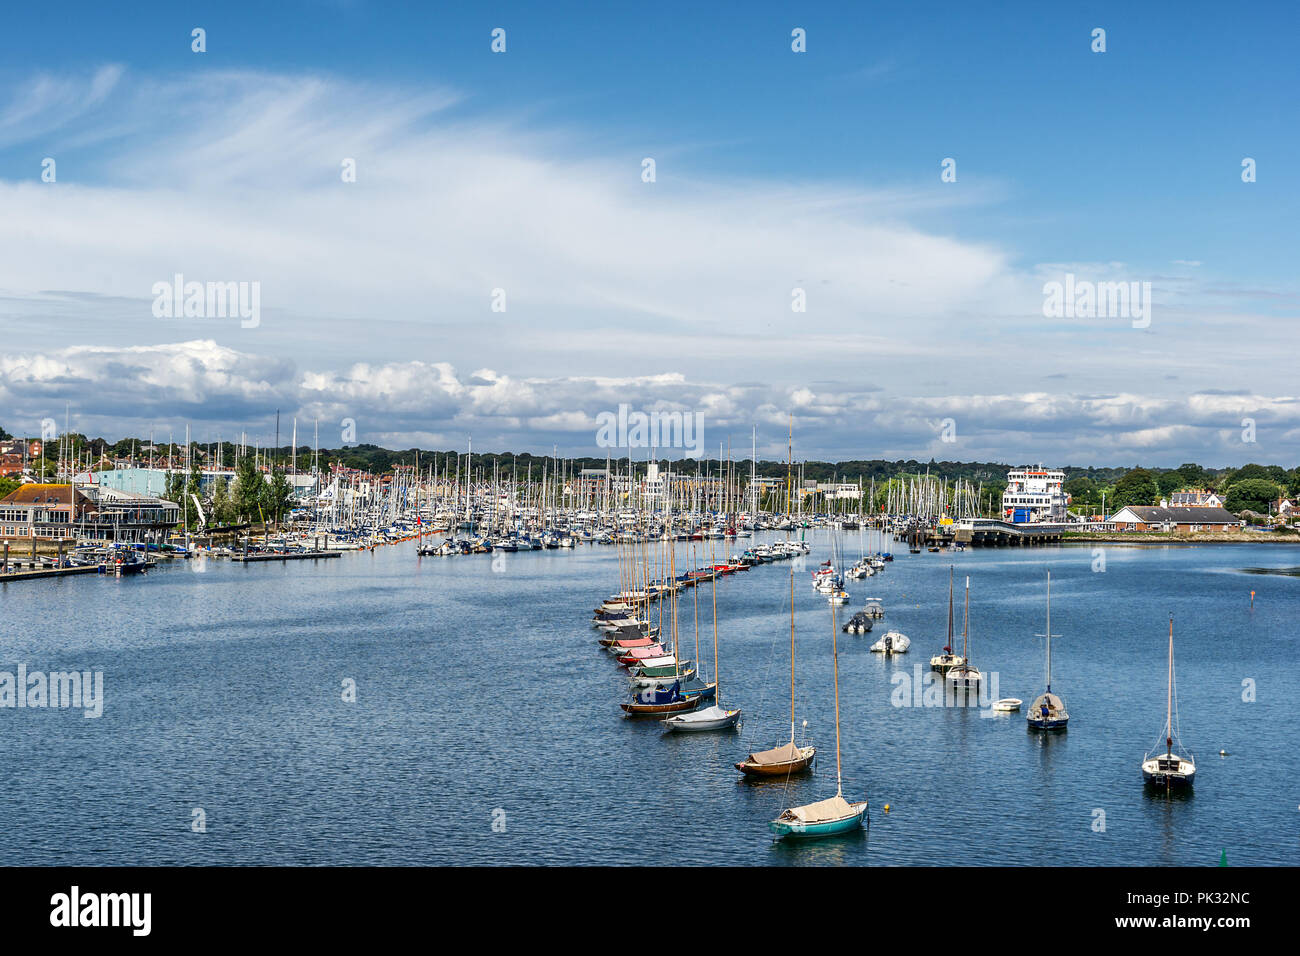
[1161, 537]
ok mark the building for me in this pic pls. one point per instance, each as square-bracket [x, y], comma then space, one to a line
[1183, 520]
[1195, 498]
[47, 512]
[1035, 494]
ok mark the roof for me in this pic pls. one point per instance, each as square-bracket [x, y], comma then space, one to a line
[1150, 514]
[40, 494]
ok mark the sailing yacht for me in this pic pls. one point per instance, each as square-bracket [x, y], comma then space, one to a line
[783, 759]
[1170, 769]
[1047, 712]
[964, 676]
[834, 815]
[947, 660]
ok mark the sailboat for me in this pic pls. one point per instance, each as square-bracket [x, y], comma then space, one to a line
[1170, 769]
[1047, 712]
[783, 759]
[715, 716]
[964, 675]
[835, 814]
[947, 660]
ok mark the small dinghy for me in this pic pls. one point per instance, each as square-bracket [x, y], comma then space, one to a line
[875, 608]
[894, 642]
[712, 717]
[838, 598]
[1007, 705]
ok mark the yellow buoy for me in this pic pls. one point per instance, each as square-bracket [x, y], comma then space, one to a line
[886, 808]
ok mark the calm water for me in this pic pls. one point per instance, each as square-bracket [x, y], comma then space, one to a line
[480, 690]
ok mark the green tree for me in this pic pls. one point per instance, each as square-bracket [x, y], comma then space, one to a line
[278, 494]
[1168, 482]
[1082, 491]
[8, 486]
[250, 487]
[222, 506]
[1136, 487]
[1253, 494]
[1194, 475]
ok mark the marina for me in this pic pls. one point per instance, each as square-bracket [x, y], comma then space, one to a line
[402, 627]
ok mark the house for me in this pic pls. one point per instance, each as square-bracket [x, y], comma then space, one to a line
[1283, 506]
[1195, 498]
[1171, 518]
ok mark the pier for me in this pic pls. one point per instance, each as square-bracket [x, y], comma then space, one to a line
[20, 575]
[288, 556]
[992, 532]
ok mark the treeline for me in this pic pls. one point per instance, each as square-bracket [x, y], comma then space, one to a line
[1251, 487]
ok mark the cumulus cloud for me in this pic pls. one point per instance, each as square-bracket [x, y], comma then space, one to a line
[223, 392]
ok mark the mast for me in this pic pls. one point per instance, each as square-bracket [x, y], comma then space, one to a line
[835, 662]
[713, 581]
[965, 626]
[788, 462]
[1169, 697]
[1049, 632]
[948, 648]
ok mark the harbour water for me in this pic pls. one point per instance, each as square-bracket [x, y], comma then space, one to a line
[486, 729]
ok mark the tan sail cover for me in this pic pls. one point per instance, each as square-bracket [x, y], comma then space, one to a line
[836, 808]
[783, 754]
[1054, 705]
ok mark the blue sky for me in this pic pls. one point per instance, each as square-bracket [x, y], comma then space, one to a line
[774, 170]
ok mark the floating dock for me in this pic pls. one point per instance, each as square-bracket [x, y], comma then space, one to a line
[46, 573]
[290, 556]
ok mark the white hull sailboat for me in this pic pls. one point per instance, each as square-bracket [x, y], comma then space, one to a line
[715, 716]
[964, 676]
[1169, 769]
[947, 660]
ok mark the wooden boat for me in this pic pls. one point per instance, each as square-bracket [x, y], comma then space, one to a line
[1047, 712]
[659, 703]
[834, 815]
[788, 758]
[1169, 769]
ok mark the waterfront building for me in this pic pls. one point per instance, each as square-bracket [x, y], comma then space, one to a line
[1185, 520]
[1195, 498]
[48, 512]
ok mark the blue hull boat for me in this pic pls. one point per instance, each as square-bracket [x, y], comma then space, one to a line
[788, 824]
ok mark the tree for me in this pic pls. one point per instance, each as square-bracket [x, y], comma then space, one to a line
[1168, 482]
[278, 494]
[1253, 494]
[1136, 487]
[222, 506]
[8, 486]
[1082, 491]
[1193, 475]
[250, 487]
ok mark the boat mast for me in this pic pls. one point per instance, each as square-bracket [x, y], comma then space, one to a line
[1169, 697]
[835, 662]
[965, 626]
[1049, 632]
[788, 463]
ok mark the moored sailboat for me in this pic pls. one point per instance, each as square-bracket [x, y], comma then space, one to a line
[1170, 769]
[834, 815]
[1047, 712]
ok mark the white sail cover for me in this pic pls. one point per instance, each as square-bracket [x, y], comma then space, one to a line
[783, 754]
[836, 808]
